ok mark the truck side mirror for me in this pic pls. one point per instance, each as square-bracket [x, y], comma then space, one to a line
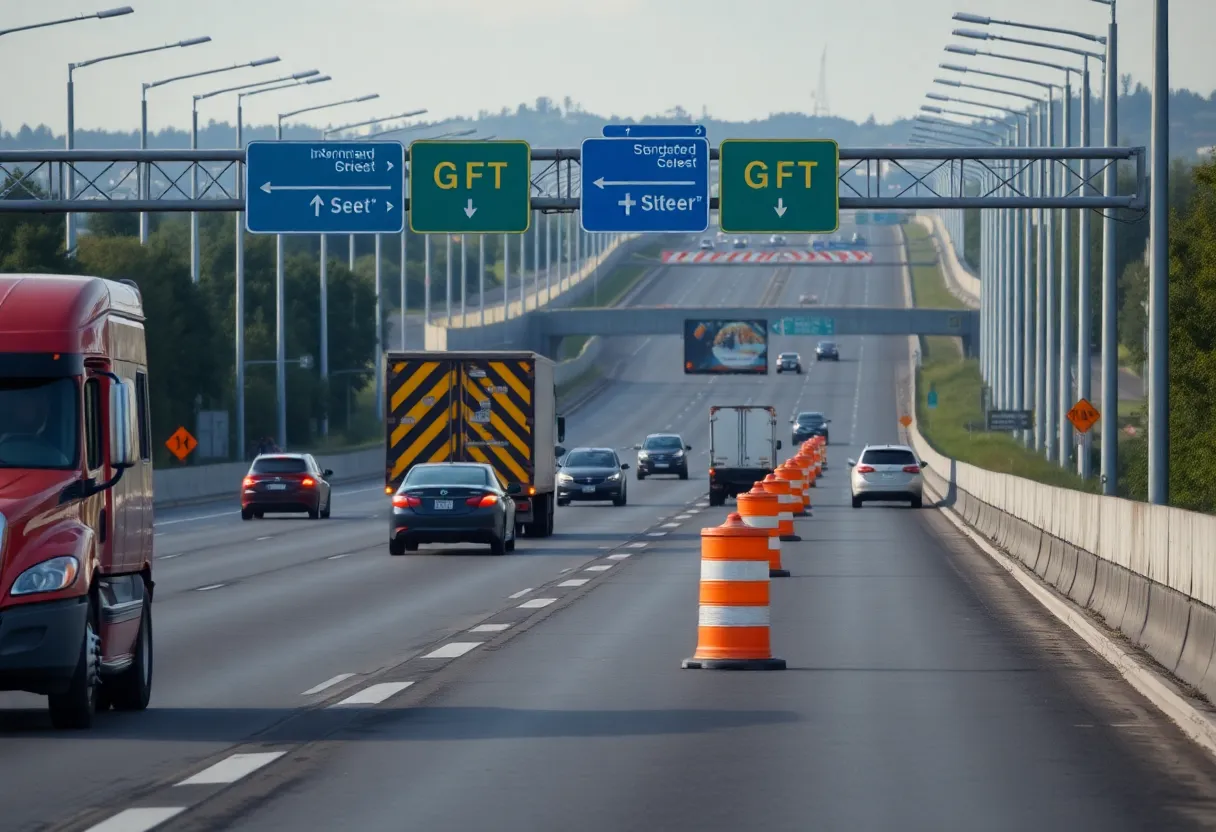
[561, 429]
[778, 444]
[124, 436]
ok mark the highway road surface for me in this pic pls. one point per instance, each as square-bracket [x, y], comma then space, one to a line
[542, 690]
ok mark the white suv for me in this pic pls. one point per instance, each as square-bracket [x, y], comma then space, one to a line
[886, 473]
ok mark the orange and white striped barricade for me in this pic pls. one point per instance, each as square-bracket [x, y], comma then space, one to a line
[733, 618]
[808, 470]
[759, 509]
[785, 518]
[793, 475]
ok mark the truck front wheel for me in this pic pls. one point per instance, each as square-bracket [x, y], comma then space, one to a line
[76, 706]
[132, 689]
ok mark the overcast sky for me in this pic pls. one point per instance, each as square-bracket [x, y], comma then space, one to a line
[743, 59]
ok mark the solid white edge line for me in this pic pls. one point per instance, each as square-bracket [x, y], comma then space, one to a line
[490, 628]
[452, 650]
[232, 768]
[137, 820]
[520, 594]
[536, 603]
[327, 684]
[1154, 686]
[374, 694]
[574, 582]
[209, 587]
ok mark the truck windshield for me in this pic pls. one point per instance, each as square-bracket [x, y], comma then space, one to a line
[39, 423]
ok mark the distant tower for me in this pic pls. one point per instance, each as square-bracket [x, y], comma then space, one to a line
[820, 96]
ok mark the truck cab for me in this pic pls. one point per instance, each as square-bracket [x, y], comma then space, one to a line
[75, 495]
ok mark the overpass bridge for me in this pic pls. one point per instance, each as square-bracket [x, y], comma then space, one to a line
[551, 325]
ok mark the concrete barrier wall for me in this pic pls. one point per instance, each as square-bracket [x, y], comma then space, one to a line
[959, 280]
[1148, 571]
[568, 371]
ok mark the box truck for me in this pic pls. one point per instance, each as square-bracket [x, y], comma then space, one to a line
[743, 447]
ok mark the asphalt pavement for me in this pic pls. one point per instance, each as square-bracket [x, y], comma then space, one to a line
[543, 689]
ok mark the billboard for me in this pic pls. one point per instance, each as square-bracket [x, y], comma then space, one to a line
[725, 347]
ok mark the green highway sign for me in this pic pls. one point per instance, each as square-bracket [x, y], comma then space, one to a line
[804, 326]
[473, 187]
[778, 186]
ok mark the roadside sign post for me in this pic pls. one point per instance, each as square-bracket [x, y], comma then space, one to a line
[649, 186]
[778, 186]
[470, 187]
[325, 188]
[654, 131]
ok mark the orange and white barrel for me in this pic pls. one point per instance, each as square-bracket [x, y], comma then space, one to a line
[733, 618]
[759, 509]
[808, 471]
[788, 505]
[793, 474]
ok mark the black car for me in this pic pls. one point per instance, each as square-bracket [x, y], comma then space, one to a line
[662, 453]
[591, 474]
[826, 351]
[789, 361]
[452, 502]
[807, 424]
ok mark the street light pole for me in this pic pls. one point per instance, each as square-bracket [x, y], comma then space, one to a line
[1159, 265]
[1109, 469]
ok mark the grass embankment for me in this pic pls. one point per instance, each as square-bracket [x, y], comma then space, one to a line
[607, 289]
[956, 426]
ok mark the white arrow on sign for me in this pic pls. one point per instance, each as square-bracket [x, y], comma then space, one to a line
[316, 204]
[390, 165]
[469, 210]
[780, 209]
[268, 188]
[601, 182]
[389, 205]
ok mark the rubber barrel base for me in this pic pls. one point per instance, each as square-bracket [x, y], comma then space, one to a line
[778, 573]
[790, 538]
[733, 664]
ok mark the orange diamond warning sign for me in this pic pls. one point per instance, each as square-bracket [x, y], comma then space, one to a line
[905, 420]
[1083, 416]
[181, 443]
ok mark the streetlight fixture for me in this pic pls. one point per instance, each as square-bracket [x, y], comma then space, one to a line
[70, 185]
[944, 122]
[102, 15]
[146, 172]
[981, 20]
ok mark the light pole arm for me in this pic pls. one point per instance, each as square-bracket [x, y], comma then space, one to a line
[95, 15]
[134, 52]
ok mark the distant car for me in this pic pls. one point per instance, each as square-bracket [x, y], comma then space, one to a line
[808, 299]
[592, 474]
[818, 244]
[789, 361]
[827, 351]
[452, 502]
[807, 424]
[777, 240]
[286, 484]
[886, 473]
[859, 240]
[740, 242]
[707, 244]
[662, 453]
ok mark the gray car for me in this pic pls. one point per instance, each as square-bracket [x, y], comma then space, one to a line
[452, 502]
[592, 474]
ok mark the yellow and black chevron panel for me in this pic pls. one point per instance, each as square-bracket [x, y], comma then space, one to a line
[496, 416]
[423, 397]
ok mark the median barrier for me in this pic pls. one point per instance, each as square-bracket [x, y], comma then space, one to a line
[733, 614]
[1149, 571]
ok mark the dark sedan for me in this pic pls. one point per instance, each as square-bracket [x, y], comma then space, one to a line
[808, 424]
[592, 474]
[452, 502]
[286, 484]
[827, 351]
[662, 453]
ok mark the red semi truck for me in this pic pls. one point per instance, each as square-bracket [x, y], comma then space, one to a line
[75, 495]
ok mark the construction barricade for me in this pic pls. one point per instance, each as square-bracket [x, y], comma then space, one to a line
[733, 616]
[760, 509]
[805, 464]
[785, 518]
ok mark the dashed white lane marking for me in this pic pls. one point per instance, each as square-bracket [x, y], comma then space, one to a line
[702, 505]
[603, 547]
[536, 603]
[692, 511]
[683, 517]
[327, 684]
[209, 587]
[574, 582]
[231, 769]
[641, 347]
[670, 526]
[267, 537]
[373, 695]
[636, 545]
[214, 515]
[564, 571]
[169, 557]
[619, 556]
[137, 820]
[657, 534]
[453, 650]
[338, 557]
[602, 567]
[521, 593]
[490, 628]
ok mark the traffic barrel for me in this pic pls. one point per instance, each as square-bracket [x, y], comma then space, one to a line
[793, 475]
[808, 471]
[785, 518]
[760, 509]
[733, 616]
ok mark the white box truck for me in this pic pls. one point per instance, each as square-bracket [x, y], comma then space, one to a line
[743, 447]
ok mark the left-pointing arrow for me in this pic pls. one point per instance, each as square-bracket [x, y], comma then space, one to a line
[268, 188]
[601, 182]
